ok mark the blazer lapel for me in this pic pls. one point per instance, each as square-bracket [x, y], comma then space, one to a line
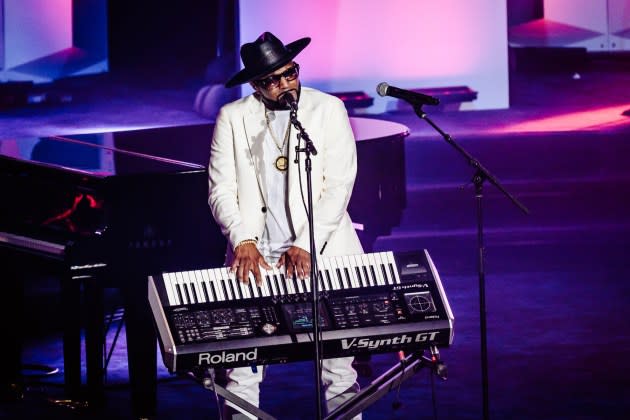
[254, 125]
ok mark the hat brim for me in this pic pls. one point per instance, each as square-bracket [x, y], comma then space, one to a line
[246, 75]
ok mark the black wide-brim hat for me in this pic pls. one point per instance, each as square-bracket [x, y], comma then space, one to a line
[264, 56]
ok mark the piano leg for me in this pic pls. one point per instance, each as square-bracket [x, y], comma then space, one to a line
[71, 307]
[94, 335]
[141, 345]
[11, 330]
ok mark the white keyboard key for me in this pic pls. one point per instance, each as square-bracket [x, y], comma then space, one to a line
[244, 289]
[205, 275]
[169, 285]
[288, 283]
[279, 283]
[366, 267]
[190, 285]
[225, 278]
[180, 285]
[198, 280]
[336, 274]
[391, 266]
[215, 276]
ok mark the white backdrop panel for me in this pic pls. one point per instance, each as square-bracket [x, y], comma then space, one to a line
[406, 43]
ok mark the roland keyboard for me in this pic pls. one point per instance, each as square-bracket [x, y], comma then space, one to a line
[369, 303]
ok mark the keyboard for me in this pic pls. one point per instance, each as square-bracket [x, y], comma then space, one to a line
[368, 303]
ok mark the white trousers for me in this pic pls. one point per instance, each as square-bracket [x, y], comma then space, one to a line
[338, 376]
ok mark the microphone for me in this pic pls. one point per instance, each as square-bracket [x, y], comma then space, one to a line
[289, 98]
[414, 98]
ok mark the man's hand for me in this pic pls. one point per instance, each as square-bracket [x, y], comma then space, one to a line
[296, 260]
[247, 258]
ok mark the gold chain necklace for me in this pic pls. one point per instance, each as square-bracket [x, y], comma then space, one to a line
[282, 162]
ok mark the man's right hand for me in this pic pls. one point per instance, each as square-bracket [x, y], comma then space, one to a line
[248, 259]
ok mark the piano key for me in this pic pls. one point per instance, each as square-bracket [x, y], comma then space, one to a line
[233, 284]
[223, 283]
[346, 272]
[308, 285]
[358, 269]
[197, 295]
[371, 262]
[299, 283]
[328, 280]
[210, 275]
[341, 278]
[180, 283]
[215, 276]
[245, 290]
[336, 274]
[235, 287]
[365, 266]
[198, 282]
[287, 283]
[384, 269]
[272, 284]
[320, 280]
[190, 286]
[169, 287]
[290, 282]
[226, 289]
[279, 284]
[330, 275]
[382, 281]
[205, 293]
[205, 280]
[201, 286]
[254, 289]
[178, 291]
[266, 291]
[391, 264]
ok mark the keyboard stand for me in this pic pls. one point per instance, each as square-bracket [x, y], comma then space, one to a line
[379, 387]
[209, 383]
[388, 381]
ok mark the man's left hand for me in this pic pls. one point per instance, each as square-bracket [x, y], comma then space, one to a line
[296, 260]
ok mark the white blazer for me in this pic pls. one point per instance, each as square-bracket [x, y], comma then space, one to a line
[237, 192]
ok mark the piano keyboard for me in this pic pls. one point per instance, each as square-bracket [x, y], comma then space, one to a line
[335, 273]
[370, 303]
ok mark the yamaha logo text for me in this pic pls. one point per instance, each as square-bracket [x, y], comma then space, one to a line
[373, 344]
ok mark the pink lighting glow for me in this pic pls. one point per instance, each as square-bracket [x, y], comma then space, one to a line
[592, 119]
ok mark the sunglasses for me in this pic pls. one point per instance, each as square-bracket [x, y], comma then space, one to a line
[274, 80]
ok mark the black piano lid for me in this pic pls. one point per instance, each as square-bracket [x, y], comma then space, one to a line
[106, 154]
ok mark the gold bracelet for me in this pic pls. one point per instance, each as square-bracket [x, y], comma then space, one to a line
[245, 242]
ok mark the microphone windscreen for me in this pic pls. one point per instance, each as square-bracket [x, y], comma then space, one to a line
[381, 89]
[289, 97]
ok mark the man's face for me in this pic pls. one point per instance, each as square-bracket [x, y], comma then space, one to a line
[273, 84]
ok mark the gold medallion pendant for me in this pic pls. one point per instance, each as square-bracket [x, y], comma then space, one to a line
[282, 163]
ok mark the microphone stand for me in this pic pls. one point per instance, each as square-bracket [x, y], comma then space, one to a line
[481, 174]
[308, 150]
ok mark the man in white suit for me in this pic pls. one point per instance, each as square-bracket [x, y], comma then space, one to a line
[257, 193]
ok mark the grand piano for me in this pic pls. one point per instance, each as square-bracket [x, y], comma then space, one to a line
[104, 210]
